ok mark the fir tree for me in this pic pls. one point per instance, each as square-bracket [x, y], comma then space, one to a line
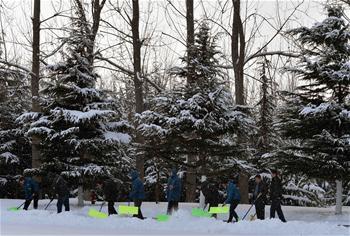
[199, 118]
[316, 118]
[83, 133]
[14, 146]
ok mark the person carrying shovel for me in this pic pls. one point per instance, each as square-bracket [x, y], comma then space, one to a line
[31, 191]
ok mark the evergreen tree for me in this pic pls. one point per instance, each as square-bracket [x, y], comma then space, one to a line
[14, 146]
[83, 133]
[199, 118]
[316, 118]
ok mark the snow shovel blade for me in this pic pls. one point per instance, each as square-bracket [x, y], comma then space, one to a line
[198, 212]
[219, 210]
[97, 214]
[162, 217]
[128, 210]
[14, 209]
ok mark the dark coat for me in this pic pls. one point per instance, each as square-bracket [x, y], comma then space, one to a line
[60, 187]
[110, 190]
[30, 187]
[232, 193]
[174, 187]
[262, 191]
[210, 192]
[137, 187]
[276, 188]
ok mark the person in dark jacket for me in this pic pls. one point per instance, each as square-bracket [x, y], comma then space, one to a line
[31, 191]
[173, 192]
[210, 190]
[259, 197]
[137, 192]
[110, 192]
[60, 188]
[276, 196]
[233, 198]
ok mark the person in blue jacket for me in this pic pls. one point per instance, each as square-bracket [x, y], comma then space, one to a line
[173, 192]
[233, 198]
[31, 191]
[137, 192]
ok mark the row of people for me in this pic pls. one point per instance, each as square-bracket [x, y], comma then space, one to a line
[137, 195]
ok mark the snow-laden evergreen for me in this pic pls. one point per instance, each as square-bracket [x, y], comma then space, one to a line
[83, 133]
[14, 146]
[316, 117]
[198, 118]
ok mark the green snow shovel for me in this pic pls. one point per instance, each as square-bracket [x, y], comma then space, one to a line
[128, 210]
[16, 208]
[198, 212]
[219, 210]
[97, 214]
[162, 217]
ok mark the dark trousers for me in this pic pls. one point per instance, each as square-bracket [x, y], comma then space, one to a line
[276, 206]
[111, 209]
[213, 205]
[138, 204]
[260, 209]
[62, 200]
[233, 213]
[172, 206]
[35, 199]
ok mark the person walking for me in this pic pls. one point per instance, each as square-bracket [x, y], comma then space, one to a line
[61, 189]
[173, 192]
[137, 193]
[110, 192]
[31, 191]
[210, 190]
[259, 197]
[233, 198]
[276, 196]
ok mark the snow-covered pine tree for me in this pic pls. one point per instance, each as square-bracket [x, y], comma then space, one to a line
[14, 146]
[317, 115]
[198, 119]
[83, 133]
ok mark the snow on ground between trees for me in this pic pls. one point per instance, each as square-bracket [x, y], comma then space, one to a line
[301, 221]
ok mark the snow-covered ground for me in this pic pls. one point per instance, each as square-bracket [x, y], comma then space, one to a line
[301, 221]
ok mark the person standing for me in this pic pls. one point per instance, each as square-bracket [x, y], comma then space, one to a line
[233, 198]
[259, 197]
[173, 192]
[110, 192]
[276, 196]
[31, 191]
[60, 187]
[137, 192]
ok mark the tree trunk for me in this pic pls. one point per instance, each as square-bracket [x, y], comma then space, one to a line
[339, 197]
[36, 160]
[237, 50]
[201, 196]
[80, 196]
[190, 176]
[138, 83]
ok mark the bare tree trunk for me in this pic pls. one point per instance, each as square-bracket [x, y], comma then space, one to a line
[190, 175]
[237, 49]
[339, 197]
[36, 160]
[138, 83]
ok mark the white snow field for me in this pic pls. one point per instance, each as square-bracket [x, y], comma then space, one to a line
[301, 221]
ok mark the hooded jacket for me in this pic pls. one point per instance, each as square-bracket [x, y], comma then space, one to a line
[30, 187]
[174, 187]
[137, 187]
[232, 193]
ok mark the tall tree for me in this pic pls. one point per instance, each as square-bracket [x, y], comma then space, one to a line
[317, 115]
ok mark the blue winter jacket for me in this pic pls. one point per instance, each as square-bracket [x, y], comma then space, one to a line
[138, 190]
[174, 187]
[232, 193]
[30, 187]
